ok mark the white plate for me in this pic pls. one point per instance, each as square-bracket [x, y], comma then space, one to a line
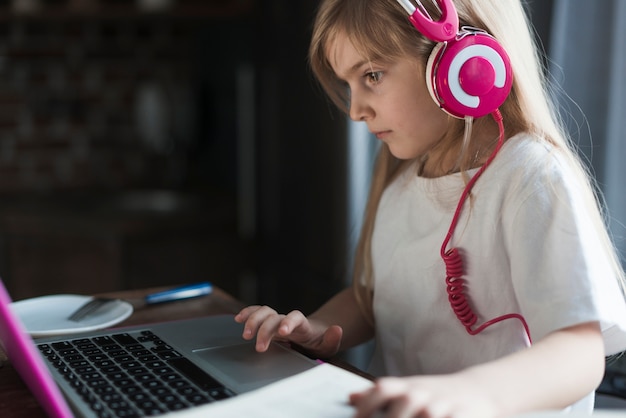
[46, 316]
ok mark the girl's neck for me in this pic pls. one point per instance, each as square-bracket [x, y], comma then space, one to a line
[443, 160]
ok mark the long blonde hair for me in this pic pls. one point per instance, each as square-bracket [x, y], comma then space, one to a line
[380, 29]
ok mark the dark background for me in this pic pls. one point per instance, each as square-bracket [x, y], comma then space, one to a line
[142, 148]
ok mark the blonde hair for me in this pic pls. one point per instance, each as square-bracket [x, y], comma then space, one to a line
[380, 30]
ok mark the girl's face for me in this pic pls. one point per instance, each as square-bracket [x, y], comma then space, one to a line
[391, 97]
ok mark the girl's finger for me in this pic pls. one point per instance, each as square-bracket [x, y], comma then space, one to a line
[290, 322]
[255, 320]
[267, 331]
[245, 313]
[387, 395]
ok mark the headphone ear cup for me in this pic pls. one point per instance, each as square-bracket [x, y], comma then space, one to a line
[469, 76]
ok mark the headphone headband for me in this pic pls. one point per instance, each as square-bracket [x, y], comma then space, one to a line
[442, 30]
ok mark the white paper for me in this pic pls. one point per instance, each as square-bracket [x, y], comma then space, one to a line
[320, 392]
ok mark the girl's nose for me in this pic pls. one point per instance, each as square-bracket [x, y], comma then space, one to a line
[359, 109]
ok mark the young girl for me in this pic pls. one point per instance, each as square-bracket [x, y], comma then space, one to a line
[484, 270]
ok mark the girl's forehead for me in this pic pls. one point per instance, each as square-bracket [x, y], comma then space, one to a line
[359, 43]
[339, 49]
[338, 40]
[345, 58]
[342, 49]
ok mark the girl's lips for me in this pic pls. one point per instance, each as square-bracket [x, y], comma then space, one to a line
[382, 134]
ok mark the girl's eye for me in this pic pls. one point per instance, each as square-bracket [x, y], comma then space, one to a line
[374, 76]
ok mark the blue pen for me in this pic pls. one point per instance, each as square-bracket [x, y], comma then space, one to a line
[179, 293]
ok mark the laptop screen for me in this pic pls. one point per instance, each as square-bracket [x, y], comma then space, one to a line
[26, 359]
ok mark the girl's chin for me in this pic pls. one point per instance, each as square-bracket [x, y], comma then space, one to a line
[402, 154]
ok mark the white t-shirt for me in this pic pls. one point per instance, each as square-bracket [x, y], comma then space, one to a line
[527, 247]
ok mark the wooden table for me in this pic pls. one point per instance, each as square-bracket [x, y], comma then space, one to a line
[16, 401]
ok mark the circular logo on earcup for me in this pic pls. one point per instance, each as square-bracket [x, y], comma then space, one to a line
[470, 76]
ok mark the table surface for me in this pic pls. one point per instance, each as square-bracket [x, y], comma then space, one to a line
[16, 401]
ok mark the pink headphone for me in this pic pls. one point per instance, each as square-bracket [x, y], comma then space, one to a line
[468, 71]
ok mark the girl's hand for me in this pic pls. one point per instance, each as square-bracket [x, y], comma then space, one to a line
[445, 396]
[264, 322]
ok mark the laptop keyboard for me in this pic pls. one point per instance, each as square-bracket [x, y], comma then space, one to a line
[124, 375]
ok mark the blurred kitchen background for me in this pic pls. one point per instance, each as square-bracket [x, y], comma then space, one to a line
[163, 142]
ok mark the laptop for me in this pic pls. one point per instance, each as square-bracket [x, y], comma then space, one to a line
[142, 370]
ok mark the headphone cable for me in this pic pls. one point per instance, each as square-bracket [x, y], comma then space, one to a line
[455, 283]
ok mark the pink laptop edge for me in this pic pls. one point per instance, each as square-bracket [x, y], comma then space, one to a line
[26, 359]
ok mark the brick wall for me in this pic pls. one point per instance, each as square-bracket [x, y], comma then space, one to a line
[94, 103]
[97, 103]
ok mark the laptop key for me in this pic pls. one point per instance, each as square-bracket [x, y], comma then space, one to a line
[62, 345]
[111, 397]
[141, 353]
[198, 399]
[110, 369]
[58, 364]
[176, 405]
[160, 391]
[111, 348]
[136, 370]
[148, 358]
[222, 393]
[169, 398]
[145, 377]
[105, 363]
[125, 413]
[77, 357]
[124, 339]
[77, 364]
[90, 375]
[148, 336]
[104, 340]
[168, 355]
[129, 364]
[46, 350]
[180, 385]
[117, 375]
[131, 390]
[98, 383]
[170, 377]
[149, 406]
[68, 352]
[139, 397]
[195, 374]
[163, 369]
[91, 351]
[121, 355]
[154, 363]
[135, 347]
[84, 370]
[102, 390]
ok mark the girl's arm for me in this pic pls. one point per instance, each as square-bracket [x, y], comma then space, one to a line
[555, 372]
[343, 310]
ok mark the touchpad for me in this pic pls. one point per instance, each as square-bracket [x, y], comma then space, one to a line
[242, 368]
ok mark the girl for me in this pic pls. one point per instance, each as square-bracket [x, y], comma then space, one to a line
[484, 270]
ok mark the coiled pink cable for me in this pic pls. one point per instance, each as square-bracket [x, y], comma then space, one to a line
[455, 283]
